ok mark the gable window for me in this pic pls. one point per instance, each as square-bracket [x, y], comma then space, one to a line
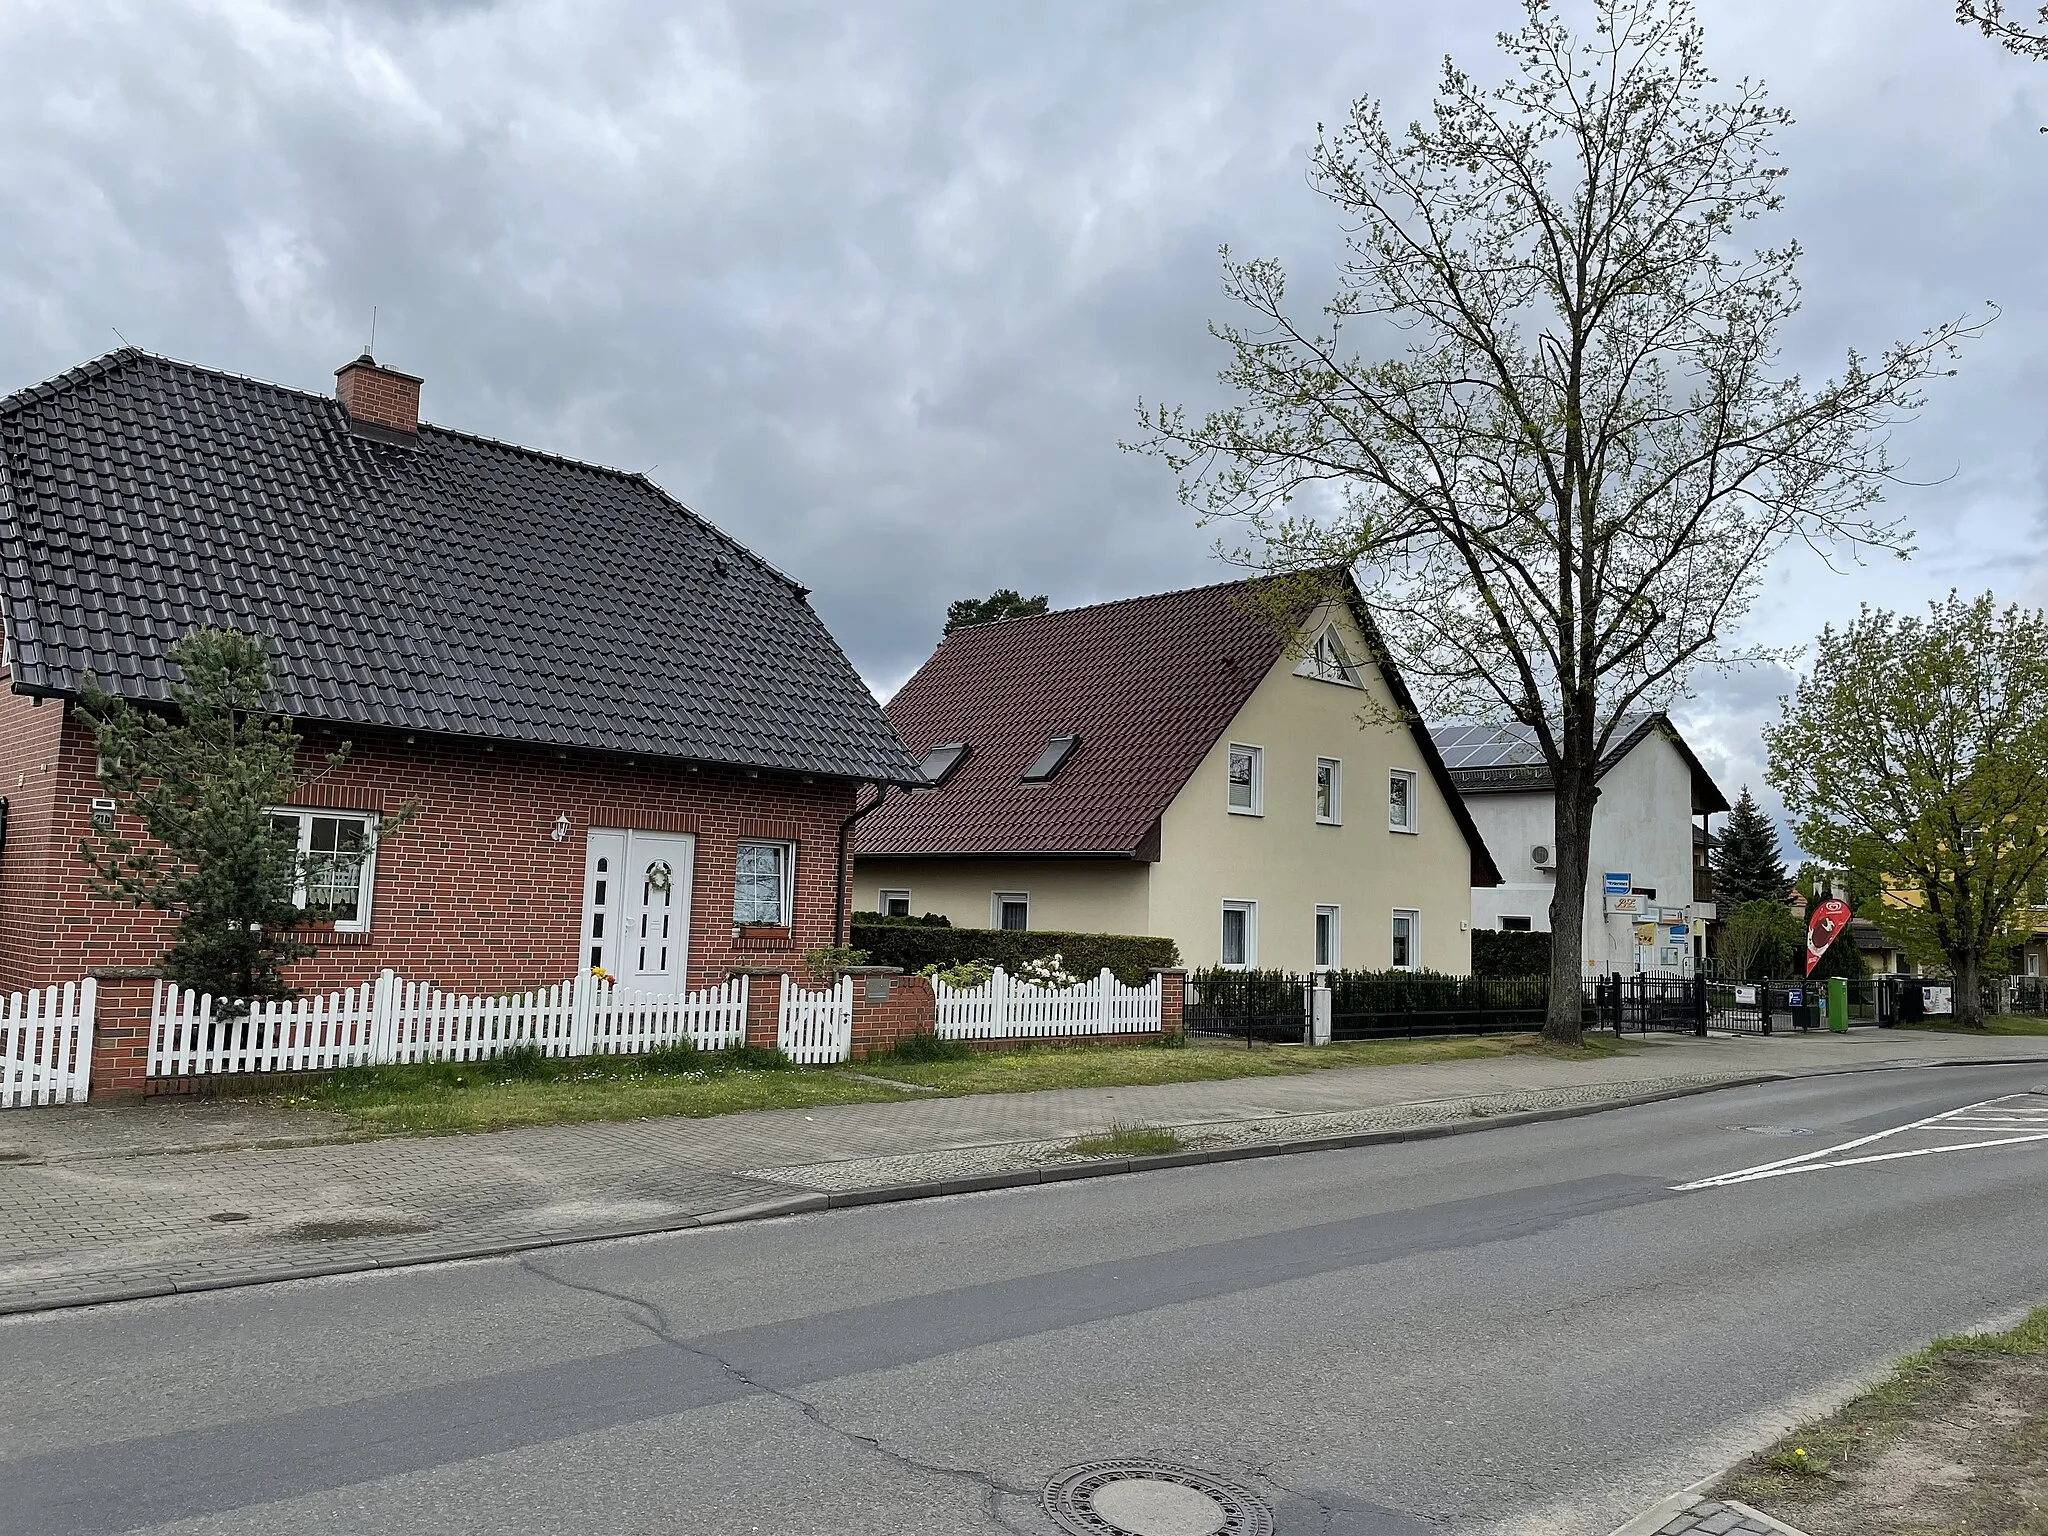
[1240, 934]
[1327, 937]
[1514, 925]
[1330, 659]
[1247, 786]
[337, 854]
[1329, 791]
[1407, 941]
[1010, 910]
[1401, 800]
[894, 903]
[1052, 759]
[761, 884]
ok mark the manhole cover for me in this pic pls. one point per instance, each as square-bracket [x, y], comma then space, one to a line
[1770, 1130]
[1152, 1498]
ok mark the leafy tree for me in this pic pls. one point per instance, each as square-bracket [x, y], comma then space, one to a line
[1988, 17]
[1915, 754]
[202, 779]
[1747, 864]
[1759, 939]
[1541, 419]
[1003, 603]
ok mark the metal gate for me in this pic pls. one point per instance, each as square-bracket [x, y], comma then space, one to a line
[1647, 1001]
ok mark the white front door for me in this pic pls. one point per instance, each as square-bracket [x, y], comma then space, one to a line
[636, 907]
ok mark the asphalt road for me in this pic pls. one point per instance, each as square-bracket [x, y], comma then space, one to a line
[1526, 1329]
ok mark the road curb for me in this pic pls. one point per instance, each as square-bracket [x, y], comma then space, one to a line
[804, 1202]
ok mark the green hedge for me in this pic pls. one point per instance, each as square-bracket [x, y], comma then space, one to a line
[1510, 954]
[883, 920]
[1132, 958]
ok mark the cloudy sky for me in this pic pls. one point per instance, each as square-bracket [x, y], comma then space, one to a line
[876, 286]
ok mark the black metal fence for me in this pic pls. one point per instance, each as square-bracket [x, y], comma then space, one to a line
[1277, 1006]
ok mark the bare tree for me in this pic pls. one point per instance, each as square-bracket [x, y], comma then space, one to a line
[1561, 451]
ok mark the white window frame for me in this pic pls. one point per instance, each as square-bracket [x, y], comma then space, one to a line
[1414, 783]
[1258, 785]
[1414, 939]
[788, 894]
[366, 871]
[1335, 914]
[1322, 664]
[883, 898]
[997, 900]
[1250, 909]
[1336, 767]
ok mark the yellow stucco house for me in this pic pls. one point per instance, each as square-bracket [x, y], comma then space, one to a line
[1172, 765]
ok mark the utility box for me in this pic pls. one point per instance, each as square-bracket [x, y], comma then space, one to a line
[1838, 1005]
[1318, 1015]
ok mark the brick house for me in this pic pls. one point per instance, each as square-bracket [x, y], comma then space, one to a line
[631, 742]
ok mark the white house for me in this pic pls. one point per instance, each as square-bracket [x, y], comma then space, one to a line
[1643, 912]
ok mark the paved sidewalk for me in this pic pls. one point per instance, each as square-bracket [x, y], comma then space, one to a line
[105, 1201]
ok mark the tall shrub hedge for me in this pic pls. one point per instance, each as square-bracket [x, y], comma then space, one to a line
[1130, 957]
[1510, 954]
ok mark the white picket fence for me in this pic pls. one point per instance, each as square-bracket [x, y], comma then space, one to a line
[46, 1044]
[816, 1028]
[1004, 1008]
[394, 1020]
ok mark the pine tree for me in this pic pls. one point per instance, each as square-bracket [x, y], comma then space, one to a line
[1747, 864]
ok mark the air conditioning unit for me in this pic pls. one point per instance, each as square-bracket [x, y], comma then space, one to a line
[1542, 856]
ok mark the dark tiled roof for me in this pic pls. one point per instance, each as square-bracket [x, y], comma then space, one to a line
[1149, 684]
[458, 586]
[1500, 759]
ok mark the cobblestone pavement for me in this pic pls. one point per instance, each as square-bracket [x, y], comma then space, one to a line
[1711, 1517]
[109, 1200]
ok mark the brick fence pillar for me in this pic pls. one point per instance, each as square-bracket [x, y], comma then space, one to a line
[889, 1006]
[764, 1004]
[1173, 991]
[120, 1031]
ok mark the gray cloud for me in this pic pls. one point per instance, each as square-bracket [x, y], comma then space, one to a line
[877, 287]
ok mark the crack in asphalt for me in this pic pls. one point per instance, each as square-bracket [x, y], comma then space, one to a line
[650, 1316]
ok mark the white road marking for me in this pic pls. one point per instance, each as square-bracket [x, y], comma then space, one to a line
[2001, 1122]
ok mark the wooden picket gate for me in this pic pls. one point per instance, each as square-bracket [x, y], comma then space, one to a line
[46, 1045]
[816, 1028]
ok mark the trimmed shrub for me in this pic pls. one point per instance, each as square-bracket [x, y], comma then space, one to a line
[883, 920]
[1510, 954]
[1130, 957]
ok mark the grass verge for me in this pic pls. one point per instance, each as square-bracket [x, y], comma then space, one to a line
[1954, 1440]
[2000, 1024]
[1086, 1064]
[1127, 1141]
[520, 1089]
[523, 1088]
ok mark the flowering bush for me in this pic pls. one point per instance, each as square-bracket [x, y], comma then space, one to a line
[964, 977]
[1049, 972]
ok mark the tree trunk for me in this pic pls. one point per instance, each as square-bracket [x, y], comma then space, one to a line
[1968, 974]
[1572, 828]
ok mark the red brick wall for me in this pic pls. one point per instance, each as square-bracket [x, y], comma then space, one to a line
[471, 894]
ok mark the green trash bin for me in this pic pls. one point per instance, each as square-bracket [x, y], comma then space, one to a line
[1838, 1005]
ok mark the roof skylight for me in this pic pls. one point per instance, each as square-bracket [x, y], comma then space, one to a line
[1051, 759]
[938, 764]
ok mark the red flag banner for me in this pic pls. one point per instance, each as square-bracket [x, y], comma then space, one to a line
[1823, 928]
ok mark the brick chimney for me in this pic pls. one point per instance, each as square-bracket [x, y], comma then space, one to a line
[382, 403]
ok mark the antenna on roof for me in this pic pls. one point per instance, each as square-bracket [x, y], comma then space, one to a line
[372, 347]
[124, 340]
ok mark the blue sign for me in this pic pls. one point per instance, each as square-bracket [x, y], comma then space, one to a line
[1794, 997]
[1619, 885]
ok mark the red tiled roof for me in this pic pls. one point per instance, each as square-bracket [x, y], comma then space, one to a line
[1148, 684]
